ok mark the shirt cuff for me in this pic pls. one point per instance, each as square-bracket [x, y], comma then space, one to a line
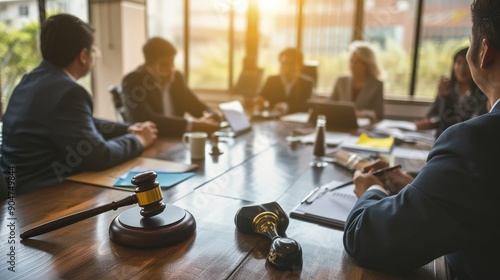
[377, 187]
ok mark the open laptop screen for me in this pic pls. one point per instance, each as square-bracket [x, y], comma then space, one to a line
[235, 116]
[339, 115]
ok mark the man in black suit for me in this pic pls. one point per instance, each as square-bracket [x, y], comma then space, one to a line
[49, 132]
[289, 91]
[451, 207]
[156, 92]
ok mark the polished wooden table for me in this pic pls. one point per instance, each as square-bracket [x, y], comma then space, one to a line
[256, 168]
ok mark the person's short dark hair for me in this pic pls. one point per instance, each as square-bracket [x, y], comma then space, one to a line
[63, 37]
[485, 24]
[292, 55]
[157, 47]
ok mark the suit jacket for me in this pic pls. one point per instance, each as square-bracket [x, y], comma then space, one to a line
[451, 209]
[371, 96]
[144, 102]
[274, 92]
[49, 132]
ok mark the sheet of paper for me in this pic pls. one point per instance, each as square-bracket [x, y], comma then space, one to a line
[299, 117]
[331, 138]
[405, 125]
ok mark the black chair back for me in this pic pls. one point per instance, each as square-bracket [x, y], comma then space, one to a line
[120, 109]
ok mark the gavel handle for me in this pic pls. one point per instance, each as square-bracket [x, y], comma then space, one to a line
[71, 219]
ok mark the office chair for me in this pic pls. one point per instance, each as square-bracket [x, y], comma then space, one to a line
[120, 109]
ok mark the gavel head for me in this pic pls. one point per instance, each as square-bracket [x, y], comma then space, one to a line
[269, 220]
[148, 193]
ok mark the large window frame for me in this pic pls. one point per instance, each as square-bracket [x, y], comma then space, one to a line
[358, 30]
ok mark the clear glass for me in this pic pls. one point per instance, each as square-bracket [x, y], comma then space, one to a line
[446, 27]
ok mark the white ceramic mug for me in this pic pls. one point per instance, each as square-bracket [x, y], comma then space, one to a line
[195, 142]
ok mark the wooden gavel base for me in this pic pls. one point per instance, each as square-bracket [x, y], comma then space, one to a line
[171, 226]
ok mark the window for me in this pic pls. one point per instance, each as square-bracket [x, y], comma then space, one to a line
[446, 26]
[165, 21]
[209, 44]
[327, 32]
[277, 31]
[217, 34]
[19, 50]
[23, 11]
[389, 25]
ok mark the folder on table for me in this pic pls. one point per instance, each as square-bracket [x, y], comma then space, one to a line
[330, 208]
[169, 173]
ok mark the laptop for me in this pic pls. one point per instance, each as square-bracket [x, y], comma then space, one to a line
[339, 115]
[238, 122]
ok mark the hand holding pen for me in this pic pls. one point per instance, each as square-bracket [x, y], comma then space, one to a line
[319, 191]
[379, 173]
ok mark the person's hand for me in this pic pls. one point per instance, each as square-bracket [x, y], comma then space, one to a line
[140, 125]
[281, 107]
[393, 181]
[444, 86]
[424, 124]
[212, 116]
[362, 181]
[145, 132]
[259, 103]
[207, 125]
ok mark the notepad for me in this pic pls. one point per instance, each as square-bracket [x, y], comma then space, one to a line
[166, 179]
[330, 209]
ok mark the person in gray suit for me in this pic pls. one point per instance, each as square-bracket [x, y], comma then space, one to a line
[451, 208]
[363, 87]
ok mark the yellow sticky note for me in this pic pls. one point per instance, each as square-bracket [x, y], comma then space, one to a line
[365, 140]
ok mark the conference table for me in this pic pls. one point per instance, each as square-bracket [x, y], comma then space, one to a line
[255, 168]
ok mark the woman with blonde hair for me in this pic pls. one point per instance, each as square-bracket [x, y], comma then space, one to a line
[364, 86]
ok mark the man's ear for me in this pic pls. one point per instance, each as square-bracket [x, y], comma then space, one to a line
[83, 57]
[487, 53]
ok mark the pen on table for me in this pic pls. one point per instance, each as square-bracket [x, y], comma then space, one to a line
[315, 192]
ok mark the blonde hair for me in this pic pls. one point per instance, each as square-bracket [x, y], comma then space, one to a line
[365, 53]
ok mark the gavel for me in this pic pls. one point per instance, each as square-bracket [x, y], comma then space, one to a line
[147, 194]
[270, 220]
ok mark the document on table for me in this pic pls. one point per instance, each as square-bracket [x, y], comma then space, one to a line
[116, 175]
[330, 208]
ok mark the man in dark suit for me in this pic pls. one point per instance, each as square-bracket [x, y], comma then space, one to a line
[451, 207]
[48, 129]
[288, 92]
[156, 92]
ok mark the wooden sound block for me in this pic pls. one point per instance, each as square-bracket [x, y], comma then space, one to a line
[172, 226]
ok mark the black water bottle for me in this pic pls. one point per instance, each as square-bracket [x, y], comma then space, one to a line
[319, 143]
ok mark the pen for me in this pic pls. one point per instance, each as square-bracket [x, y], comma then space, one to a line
[315, 193]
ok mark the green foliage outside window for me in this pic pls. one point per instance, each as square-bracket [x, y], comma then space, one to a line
[19, 54]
